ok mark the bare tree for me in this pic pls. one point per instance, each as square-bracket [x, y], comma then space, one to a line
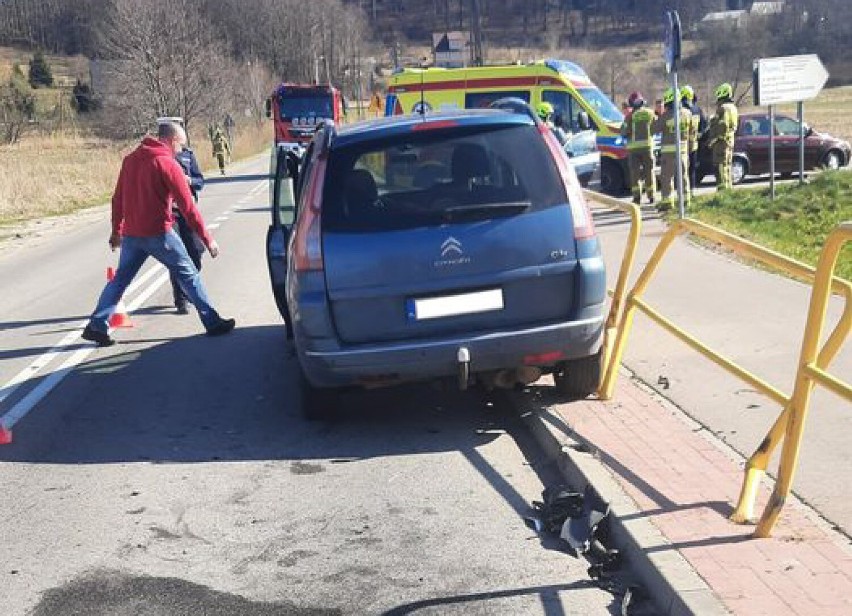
[164, 61]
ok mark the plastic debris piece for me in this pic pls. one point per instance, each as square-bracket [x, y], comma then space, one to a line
[579, 531]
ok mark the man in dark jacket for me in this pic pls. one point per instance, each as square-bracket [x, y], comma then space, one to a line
[142, 225]
[697, 128]
[194, 247]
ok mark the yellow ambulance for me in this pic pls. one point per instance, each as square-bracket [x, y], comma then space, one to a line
[578, 103]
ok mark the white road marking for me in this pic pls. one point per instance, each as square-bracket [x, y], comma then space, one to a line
[72, 337]
[41, 362]
[20, 410]
[28, 402]
[144, 278]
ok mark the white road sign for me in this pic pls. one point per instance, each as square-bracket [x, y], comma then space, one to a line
[788, 79]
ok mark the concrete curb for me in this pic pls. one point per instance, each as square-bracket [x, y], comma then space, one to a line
[672, 583]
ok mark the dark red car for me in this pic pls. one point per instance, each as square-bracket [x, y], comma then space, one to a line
[751, 148]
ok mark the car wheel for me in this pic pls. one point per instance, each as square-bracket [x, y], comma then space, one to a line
[832, 160]
[739, 169]
[612, 178]
[579, 377]
[317, 403]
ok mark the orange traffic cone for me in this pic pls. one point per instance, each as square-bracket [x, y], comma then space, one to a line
[120, 318]
[5, 435]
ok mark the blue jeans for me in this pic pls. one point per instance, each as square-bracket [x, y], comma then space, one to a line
[169, 250]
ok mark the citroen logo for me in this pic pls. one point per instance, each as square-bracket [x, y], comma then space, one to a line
[450, 247]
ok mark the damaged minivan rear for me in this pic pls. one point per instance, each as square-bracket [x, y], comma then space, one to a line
[455, 245]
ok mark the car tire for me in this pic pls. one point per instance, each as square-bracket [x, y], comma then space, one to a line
[579, 378]
[832, 160]
[612, 178]
[317, 403]
[739, 169]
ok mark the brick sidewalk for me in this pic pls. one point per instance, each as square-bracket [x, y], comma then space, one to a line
[687, 486]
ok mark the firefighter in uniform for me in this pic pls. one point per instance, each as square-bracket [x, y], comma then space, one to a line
[221, 149]
[545, 112]
[722, 127]
[638, 130]
[696, 129]
[665, 124]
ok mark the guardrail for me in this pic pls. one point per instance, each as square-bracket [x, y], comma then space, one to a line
[618, 294]
[813, 361]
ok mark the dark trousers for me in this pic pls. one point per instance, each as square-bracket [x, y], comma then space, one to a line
[185, 234]
[693, 170]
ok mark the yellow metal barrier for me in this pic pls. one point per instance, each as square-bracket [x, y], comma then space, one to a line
[812, 366]
[617, 306]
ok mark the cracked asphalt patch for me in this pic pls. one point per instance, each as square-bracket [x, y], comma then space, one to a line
[112, 593]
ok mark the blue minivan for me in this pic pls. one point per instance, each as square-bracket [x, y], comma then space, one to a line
[449, 245]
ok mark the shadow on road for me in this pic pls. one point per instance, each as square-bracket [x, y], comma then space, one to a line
[551, 603]
[221, 400]
[200, 399]
[9, 325]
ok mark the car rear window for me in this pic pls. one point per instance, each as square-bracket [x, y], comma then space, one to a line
[439, 176]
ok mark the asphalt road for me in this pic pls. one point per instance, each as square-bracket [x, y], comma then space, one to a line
[754, 317]
[173, 474]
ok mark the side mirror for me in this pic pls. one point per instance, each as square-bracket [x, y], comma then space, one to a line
[268, 106]
[808, 131]
[583, 120]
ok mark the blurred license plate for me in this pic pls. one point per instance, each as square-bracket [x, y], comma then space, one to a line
[454, 305]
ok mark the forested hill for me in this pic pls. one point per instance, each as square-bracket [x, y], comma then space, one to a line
[293, 37]
[531, 22]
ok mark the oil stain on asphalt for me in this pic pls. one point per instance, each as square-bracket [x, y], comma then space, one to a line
[112, 593]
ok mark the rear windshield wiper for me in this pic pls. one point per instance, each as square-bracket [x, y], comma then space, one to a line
[499, 209]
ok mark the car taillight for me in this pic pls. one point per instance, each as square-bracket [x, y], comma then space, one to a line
[307, 244]
[584, 228]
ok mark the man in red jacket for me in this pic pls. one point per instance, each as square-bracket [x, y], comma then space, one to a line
[149, 182]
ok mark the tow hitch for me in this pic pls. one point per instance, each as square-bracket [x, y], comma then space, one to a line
[463, 357]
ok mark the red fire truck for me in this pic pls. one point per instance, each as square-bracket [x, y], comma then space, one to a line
[297, 110]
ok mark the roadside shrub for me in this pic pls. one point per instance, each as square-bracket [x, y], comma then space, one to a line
[40, 73]
[17, 108]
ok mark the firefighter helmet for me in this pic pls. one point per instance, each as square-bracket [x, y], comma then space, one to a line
[668, 96]
[545, 110]
[724, 91]
[687, 93]
[635, 99]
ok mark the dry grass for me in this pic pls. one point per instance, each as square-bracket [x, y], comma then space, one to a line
[44, 176]
[53, 175]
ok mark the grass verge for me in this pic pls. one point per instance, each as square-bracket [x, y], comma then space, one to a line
[46, 175]
[795, 224]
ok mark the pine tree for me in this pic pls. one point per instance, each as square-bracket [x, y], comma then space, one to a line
[40, 74]
[84, 99]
